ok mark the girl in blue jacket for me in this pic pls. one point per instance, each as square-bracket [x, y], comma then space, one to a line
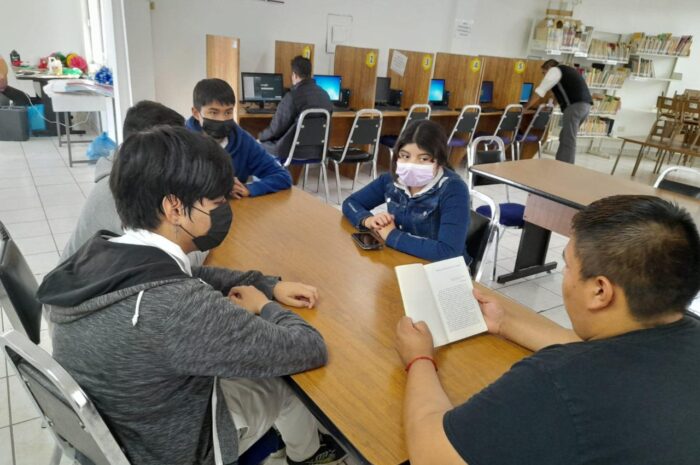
[427, 202]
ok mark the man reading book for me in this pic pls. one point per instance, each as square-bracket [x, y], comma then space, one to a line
[620, 388]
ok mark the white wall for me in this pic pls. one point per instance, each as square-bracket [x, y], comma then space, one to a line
[37, 28]
[140, 50]
[179, 28]
[500, 28]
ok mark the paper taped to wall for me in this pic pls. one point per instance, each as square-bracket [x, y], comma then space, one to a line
[398, 62]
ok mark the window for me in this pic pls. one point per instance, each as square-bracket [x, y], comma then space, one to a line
[92, 33]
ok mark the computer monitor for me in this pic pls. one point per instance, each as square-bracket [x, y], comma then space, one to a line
[331, 84]
[486, 92]
[526, 92]
[383, 92]
[437, 90]
[262, 87]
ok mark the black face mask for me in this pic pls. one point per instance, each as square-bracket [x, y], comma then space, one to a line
[217, 129]
[221, 219]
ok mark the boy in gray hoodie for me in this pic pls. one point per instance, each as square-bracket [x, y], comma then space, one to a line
[147, 335]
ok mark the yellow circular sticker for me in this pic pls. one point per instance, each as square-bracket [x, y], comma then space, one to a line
[306, 52]
[427, 61]
[475, 65]
[520, 67]
[371, 59]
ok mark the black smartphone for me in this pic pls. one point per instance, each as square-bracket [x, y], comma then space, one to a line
[367, 241]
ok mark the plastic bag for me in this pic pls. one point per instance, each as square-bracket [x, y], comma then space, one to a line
[102, 146]
[36, 117]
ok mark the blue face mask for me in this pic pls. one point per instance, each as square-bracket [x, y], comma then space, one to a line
[221, 219]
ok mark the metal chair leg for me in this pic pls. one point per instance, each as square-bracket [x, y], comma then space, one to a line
[539, 149]
[495, 253]
[306, 177]
[337, 182]
[324, 173]
[354, 180]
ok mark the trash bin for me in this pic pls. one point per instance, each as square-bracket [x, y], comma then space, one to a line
[14, 123]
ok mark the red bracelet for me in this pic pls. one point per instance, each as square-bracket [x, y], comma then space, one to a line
[422, 357]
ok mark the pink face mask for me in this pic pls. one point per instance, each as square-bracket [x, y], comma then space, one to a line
[414, 175]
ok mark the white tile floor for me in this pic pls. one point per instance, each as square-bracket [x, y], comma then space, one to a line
[40, 200]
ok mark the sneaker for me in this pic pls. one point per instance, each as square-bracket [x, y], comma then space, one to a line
[329, 453]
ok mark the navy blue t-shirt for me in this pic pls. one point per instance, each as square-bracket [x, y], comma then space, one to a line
[633, 399]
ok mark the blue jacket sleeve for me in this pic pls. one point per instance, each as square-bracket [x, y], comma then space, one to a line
[358, 205]
[452, 235]
[272, 176]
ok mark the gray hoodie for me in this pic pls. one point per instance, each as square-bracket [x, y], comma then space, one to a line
[146, 341]
[99, 211]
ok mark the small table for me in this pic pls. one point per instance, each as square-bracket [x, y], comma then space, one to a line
[67, 102]
[359, 394]
[558, 191]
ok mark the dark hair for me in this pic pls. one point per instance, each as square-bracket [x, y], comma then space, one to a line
[163, 161]
[646, 245]
[549, 63]
[147, 114]
[301, 66]
[208, 91]
[429, 136]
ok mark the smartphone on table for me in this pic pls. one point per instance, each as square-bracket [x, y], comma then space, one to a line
[367, 240]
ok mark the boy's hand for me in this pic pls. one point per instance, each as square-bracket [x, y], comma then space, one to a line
[413, 340]
[249, 298]
[295, 294]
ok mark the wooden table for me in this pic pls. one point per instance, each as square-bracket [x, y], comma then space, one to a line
[557, 191]
[359, 394]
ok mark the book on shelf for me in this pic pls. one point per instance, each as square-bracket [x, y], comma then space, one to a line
[613, 51]
[641, 67]
[661, 44]
[608, 104]
[610, 78]
[441, 295]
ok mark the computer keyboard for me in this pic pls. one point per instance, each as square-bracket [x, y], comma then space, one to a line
[491, 110]
[261, 111]
[387, 108]
[337, 108]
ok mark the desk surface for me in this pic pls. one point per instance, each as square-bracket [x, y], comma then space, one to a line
[242, 113]
[573, 185]
[296, 236]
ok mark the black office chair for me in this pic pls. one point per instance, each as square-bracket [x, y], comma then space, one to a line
[71, 417]
[18, 289]
[508, 127]
[417, 112]
[310, 143]
[677, 186]
[482, 231]
[466, 124]
[511, 214]
[365, 131]
[539, 124]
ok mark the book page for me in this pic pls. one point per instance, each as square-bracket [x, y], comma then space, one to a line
[418, 300]
[452, 288]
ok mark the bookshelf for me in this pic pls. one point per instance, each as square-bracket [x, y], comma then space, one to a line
[607, 61]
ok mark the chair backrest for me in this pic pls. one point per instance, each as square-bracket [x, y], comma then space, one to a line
[417, 112]
[482, 231]
[467, 122]
[71, 416]
[510, 120]
[494, 152]
[18, 289]
[310, 136]
[366, 129]
[678, 186]
[540, 120]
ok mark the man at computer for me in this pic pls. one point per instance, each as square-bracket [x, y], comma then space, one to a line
[304, 94]
[574, 98]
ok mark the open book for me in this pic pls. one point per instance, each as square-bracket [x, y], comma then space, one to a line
[441, 295]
